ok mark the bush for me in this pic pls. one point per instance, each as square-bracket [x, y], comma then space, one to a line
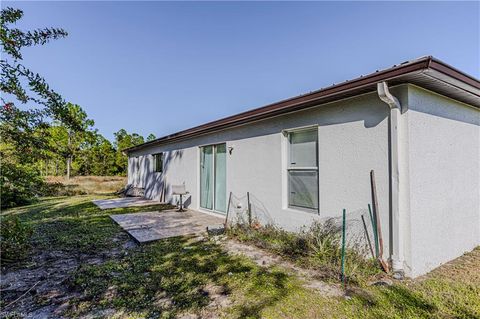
[19, 184]
[14, 238]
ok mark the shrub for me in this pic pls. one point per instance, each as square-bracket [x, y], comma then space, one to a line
[14, 238]
[19, 184]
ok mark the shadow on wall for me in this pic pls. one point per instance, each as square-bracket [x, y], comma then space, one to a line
[156, 183]
[437, 105]
[238, 210]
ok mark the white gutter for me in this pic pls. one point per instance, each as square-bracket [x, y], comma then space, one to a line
[397, 236]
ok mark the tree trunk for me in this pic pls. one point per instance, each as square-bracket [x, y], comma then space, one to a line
[69, 160]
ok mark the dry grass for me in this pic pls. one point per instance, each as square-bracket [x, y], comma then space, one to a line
[465, 269]
[87, 185]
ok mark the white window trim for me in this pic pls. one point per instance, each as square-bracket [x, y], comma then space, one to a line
[287, 168]
[154, 160]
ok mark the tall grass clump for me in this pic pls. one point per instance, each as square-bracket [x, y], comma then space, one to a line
[317, 247]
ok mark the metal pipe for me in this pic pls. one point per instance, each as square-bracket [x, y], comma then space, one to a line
[344, 218]
[397, 238]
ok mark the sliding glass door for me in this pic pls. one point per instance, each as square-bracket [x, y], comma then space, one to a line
[206, 177]
[213, 173]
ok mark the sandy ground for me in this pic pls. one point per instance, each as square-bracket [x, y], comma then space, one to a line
[266, 259]
[40, 288]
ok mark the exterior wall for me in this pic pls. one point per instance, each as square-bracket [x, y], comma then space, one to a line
[444, 174]
[439, 170]
[353, 139]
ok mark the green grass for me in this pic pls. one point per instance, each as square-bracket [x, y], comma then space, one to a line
[172, 276]
[73, 223]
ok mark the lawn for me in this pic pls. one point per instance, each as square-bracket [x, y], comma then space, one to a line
[81, 264]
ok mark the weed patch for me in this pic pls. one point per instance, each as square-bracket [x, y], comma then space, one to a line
[317, 247]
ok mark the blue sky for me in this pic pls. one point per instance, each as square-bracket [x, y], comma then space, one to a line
[159, 67]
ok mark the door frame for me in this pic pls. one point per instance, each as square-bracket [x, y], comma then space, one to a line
[213, 177]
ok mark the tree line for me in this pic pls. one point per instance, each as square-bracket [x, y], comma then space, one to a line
[41, 133]
[86, 152]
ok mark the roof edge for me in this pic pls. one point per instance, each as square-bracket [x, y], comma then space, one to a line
[310, 99]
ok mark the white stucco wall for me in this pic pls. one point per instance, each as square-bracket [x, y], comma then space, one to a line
[440, 158]
[353, 139]
[444, 165]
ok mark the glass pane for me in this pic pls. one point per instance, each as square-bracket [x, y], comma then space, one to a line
[220, 178]
[206, 177]
[303, 188]
[303, 148]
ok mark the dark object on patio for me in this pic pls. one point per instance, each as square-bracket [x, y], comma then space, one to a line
[131, 191]
[215, 230]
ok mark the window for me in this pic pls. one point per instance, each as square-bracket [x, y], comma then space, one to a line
[302, 169]
[137, 164]
[158, 162]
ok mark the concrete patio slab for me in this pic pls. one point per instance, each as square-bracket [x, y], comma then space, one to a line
[124, 202]
[150, 226]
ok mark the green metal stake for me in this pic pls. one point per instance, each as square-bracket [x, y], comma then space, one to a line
[375, 233]
[249, 207]
[343, 246]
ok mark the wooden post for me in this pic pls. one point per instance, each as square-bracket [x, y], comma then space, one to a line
[374, 227]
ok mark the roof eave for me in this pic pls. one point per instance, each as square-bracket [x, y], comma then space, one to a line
[329, 94]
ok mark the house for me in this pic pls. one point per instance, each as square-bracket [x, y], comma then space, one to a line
[415, 124]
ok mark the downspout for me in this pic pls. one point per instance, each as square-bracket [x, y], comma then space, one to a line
[397, 235]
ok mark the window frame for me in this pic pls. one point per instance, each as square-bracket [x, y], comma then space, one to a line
[290, 168]
[157, 169]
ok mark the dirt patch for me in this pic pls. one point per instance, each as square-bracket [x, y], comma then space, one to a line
[266, 259]
[40, 288]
